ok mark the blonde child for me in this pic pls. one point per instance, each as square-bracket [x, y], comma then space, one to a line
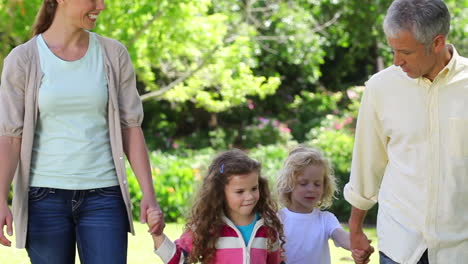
[306, 186]
[233, 219]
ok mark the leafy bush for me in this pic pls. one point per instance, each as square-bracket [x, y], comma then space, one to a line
[271, 157]
[158, 124]
[175, 177]
[221, 138]
[265, 131]
[310, 109]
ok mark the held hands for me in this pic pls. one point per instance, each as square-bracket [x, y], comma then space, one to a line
[155, 221]
[149, 204]
[6, 219]
[360, 247]
[156, 218]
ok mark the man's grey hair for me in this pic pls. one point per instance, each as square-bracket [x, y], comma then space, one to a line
[425, 19]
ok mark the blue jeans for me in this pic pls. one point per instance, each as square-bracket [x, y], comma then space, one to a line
[386, 260]
[94, 220]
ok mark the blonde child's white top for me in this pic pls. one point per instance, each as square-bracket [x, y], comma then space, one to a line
[307, 236]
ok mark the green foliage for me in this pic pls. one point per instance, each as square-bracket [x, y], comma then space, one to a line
[222, 138]
[309, 109]
[459, 25]
[181, 49]
[16, 18]
[265, 131]
[187, 52]
[160, 127]
[271, 157]
[175, 178]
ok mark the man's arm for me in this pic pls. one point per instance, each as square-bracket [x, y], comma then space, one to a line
[10, 148]
[359, 240]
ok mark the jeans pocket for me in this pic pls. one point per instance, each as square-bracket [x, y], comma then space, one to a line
[113, 191]
[37, 193]
[385, 260]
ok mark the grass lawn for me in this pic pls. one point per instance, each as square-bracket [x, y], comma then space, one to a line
[141, 248]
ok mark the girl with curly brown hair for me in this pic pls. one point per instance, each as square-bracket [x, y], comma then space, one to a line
[233, 219]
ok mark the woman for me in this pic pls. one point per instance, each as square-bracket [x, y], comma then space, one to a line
[69, 110]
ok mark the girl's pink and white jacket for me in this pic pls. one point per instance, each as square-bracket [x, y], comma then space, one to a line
[230, 247]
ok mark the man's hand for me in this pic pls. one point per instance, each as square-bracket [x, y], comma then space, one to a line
[360, 247]
[6, 219]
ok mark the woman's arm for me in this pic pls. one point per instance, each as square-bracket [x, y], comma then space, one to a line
[137, 154]
[10, 148]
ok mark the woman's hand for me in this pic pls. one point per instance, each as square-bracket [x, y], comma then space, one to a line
[6, 219]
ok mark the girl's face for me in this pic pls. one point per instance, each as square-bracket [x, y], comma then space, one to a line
[82, 13]
[308, 190]
[242, 195]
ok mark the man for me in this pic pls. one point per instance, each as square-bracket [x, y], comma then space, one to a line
[411, 148]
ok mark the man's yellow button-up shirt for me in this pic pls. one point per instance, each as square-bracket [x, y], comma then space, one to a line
[411, 155]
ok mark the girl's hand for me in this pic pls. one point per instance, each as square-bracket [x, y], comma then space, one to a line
[148, 202]
[155, 221]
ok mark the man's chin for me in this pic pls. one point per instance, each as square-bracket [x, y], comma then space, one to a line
[412, 76]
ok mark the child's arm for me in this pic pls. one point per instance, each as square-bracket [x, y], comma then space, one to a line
[341, 238]
[168, 251]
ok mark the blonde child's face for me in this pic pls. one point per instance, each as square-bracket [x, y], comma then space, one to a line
[308, 189]
[242, 195]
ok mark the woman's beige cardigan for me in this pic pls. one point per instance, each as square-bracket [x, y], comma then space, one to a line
[21, 78]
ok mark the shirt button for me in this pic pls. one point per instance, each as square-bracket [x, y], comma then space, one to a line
[125, 182]
[121, 158]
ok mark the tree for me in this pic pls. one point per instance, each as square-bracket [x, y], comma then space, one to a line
[182, 51]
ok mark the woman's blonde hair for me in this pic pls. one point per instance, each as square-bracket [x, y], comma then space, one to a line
[297, 161]
[205, 219]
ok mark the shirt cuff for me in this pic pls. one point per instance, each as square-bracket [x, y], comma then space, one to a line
[356, 199]
[167, 250]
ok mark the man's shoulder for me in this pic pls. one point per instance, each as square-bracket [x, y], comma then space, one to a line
[388, 80]
[462, 60]
[387, 74]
